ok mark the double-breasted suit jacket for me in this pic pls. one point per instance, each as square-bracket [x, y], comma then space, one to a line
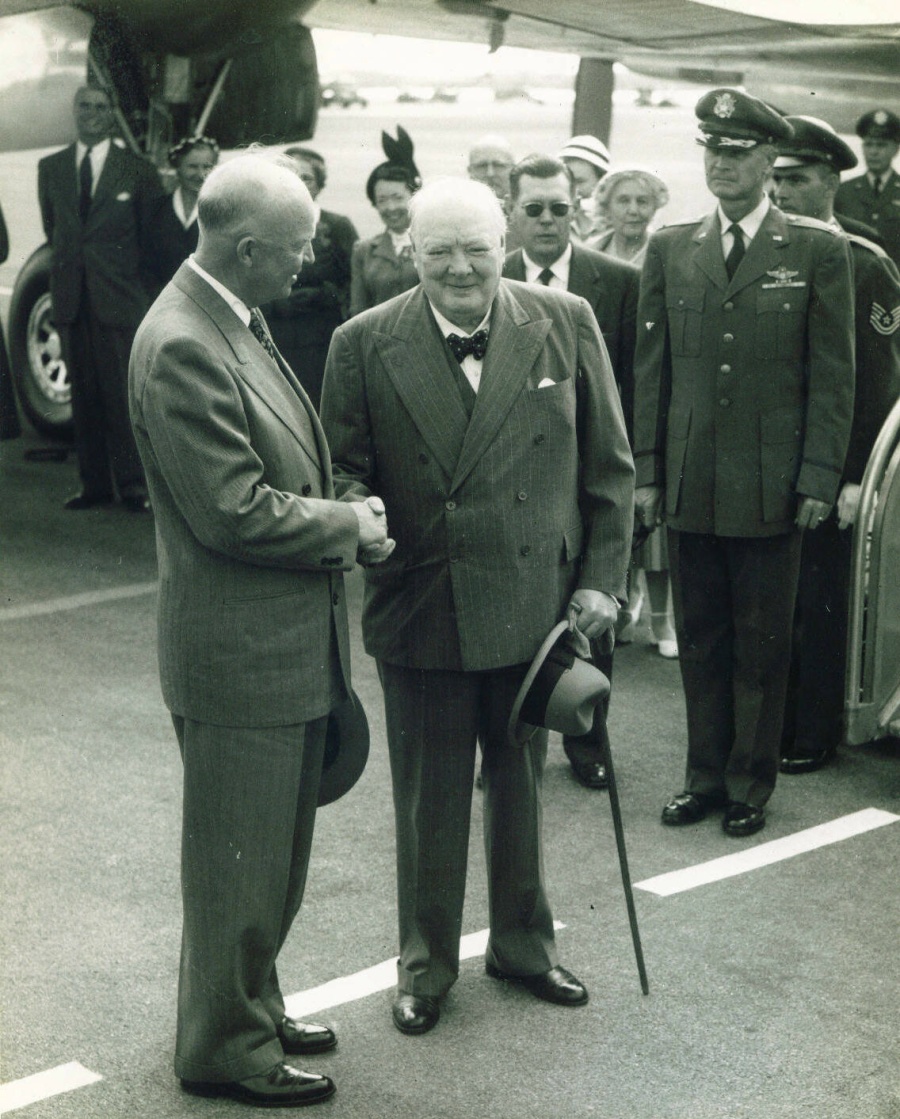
[378, 273]
[498, 518]
[856, 198]
[744, 388]
[610, 286]
[108, 253]
[249, 555]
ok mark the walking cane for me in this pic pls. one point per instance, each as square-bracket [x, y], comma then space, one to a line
[608, 641]
[623, 864]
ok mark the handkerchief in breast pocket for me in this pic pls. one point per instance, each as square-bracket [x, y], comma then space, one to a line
[547, 383]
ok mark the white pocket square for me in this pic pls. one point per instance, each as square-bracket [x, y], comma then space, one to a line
[546, 383]
[123, 197]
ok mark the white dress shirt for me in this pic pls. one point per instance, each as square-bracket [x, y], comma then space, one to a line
[559, 268]
[749, 224]
[237, 305]
[99, 152]
[471, 366]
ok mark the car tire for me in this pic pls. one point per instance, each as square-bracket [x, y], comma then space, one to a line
[39, 372]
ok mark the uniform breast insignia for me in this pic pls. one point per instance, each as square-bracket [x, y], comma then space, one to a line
[784, 278]
[725, 105]
[649, 326]
[884, 322]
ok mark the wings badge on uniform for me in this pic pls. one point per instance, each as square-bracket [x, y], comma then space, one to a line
[884, 322]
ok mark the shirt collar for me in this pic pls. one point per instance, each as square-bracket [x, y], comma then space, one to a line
[99, 151]
[749, 223]
[237, 305]
[559, 268]
[178, 206]
[445, 326]
[400, 240]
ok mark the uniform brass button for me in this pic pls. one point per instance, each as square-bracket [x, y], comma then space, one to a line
[335, 598]
[727, 337]
[307, 489]
[785, 306]
[451, 505]
[522, 496]
[728, 306]
[724, 368]
[525, 550]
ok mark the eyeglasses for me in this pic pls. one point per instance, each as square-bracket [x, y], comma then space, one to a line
[557, 209]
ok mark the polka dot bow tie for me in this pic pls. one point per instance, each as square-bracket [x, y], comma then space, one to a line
[476, 345]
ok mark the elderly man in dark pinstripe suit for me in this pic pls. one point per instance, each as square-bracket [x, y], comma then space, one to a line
[485, 414]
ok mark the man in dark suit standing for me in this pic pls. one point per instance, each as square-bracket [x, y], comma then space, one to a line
[96, 201]
[806, 175]
[873, 198]
[253, 641]
[542, 202]
[485, 414]
[743, 402]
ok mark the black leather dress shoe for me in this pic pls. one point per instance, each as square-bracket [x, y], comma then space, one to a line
[85, 500]
[556, 985]
[415, 1014]
[809, 763]
[282, 1086]
[299, 1039]
[590, 774]
[743, 819]
[688, 808]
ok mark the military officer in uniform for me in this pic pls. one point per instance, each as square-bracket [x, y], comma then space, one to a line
[743, 401]
[874, 198]
[806, 177]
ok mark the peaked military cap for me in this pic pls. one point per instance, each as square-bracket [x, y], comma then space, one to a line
[814, 141]
[879, 124]
[730, 118]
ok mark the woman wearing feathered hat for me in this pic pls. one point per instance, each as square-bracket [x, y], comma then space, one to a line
[382, 266]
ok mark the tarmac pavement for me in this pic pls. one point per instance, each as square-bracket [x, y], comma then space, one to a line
[773, 993]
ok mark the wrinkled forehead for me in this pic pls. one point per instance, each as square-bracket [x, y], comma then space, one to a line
[453, 223]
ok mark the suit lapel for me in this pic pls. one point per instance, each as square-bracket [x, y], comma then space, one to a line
[416, 363]
[514, 346]
[708, 257]
[762, 252]
[286, 400]
[514, 268]
[109, 181]
[583, 279]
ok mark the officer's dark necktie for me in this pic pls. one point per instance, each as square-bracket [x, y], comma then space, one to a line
[545, 277]
[475, 344]
[86, 183]
[259, 333]
[736, 253]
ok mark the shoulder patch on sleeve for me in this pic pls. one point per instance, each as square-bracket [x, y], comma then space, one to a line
[883, 321]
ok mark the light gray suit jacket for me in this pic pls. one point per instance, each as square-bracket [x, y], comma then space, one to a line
[498, 518]
[251, 544]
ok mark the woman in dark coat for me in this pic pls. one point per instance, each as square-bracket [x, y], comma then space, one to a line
[382, 265]
[174, 229]
[302, 324]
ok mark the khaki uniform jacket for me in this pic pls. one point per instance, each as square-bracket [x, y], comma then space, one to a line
[497, 518]
[250, 543]
[744, 388]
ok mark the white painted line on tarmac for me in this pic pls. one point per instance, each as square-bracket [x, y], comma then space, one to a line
[74, 601]
[764, 854]
[43, 1085]
[380, 977]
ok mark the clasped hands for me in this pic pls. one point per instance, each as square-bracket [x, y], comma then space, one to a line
[374, 543]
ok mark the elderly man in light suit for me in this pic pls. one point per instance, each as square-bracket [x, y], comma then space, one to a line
[503, 463]
[253, 645]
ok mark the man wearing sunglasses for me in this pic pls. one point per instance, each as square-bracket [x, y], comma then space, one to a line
[542, 205]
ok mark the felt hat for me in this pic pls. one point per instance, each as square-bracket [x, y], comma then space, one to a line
[730, 118]
[559, 692]
[346, 749]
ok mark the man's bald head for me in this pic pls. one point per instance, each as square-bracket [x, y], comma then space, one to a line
[490, 162]
[256, 220]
